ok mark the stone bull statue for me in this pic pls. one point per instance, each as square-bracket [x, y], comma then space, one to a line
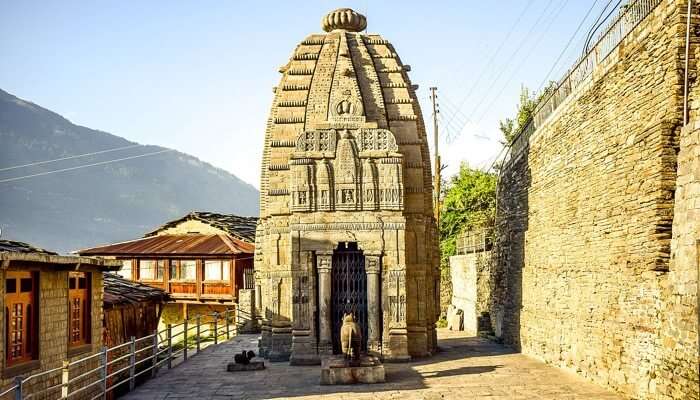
[350, 337]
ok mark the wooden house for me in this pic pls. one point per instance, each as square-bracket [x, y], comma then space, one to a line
[201, 259]
[131, 309]
[52, 311]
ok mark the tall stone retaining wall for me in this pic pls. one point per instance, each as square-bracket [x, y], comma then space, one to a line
[585, 273]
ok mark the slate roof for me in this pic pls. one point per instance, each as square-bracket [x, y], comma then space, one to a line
[21, 247]
[13, 251]
[119, 290]
[191, 244]
[242, 228]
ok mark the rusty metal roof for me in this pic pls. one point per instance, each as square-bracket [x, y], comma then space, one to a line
[180, 245]
[119, 290]
[242, 228]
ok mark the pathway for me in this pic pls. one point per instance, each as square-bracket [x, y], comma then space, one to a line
[467, 368]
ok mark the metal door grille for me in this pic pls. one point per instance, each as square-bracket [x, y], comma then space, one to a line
[348, 290]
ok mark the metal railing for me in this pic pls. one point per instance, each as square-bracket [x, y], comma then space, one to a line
[119, 367]
[474, 241]
[627, 18]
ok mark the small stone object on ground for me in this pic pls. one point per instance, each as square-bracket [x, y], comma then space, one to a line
[251, 366]
[243, 362]
[244, 357]
[454, 318]
[337, 370]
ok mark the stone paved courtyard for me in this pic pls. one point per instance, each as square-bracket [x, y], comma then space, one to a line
[466, 368]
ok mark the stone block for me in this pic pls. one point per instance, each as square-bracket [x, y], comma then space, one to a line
[336, 370]
[253, 366]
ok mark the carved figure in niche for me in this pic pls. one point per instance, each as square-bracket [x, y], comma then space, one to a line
[347, 196]
[350, 337]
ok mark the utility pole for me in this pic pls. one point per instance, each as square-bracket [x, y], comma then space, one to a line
[436, 175]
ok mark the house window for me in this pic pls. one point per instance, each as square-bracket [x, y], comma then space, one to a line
[217, 270]
[151, 270]
[125, 271]
[248, 278]
[183, 270]
[21, 316]
[79, 308]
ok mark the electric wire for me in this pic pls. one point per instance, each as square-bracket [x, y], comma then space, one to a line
[523, 61]
[71, 157]
[598, 23]
[519, 47]
[494, 54]
[83, 166]
[571, 39]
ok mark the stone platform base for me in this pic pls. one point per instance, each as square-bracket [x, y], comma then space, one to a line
[336, 370]
[253, 366]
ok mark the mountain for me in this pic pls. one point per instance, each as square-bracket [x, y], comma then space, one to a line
[99, 204]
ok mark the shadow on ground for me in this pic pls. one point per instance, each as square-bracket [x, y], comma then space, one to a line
[204, 375]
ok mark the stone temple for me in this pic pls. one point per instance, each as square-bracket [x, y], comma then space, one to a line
[346, 214]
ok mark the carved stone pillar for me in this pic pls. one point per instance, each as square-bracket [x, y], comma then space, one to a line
[374, 312]
[324, 262]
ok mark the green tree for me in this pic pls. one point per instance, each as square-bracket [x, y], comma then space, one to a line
[468, 201]
[526, 109]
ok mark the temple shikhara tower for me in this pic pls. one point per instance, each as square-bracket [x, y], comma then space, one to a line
[346, 215]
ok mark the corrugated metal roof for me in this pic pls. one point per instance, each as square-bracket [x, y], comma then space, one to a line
[189, 244]
[242, 228]
[119, 290]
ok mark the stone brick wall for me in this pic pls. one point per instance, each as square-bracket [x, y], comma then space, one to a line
[582, 276]
[53, 328]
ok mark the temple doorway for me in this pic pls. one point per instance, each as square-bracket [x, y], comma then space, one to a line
[348, 290]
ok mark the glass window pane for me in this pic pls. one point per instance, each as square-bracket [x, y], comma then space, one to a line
[147, 269]
[188, 270]
[226, 270]
[212, 270]
[161, 269]
[173, 270]
[126, 269]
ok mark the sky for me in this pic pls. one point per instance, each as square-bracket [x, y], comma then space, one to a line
[197, 76]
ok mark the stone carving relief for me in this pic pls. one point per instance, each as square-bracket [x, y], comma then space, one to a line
[347, 169]
[317, 141]
[300, 301]
[396, 296]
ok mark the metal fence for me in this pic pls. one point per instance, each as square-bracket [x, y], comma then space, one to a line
[475, 241]
[627, 18]
[118, 368]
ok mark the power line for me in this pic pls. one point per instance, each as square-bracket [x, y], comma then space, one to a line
[513, 55]
[83, 166]
[71, 157]
[598, 22]
[578, 28]
[520, 46]
[493, 56]
[527, 57]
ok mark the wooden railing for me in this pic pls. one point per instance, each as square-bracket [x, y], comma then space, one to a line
[118, 368]
[629, 16]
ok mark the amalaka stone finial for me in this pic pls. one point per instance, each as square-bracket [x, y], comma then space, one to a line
[345, 19]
